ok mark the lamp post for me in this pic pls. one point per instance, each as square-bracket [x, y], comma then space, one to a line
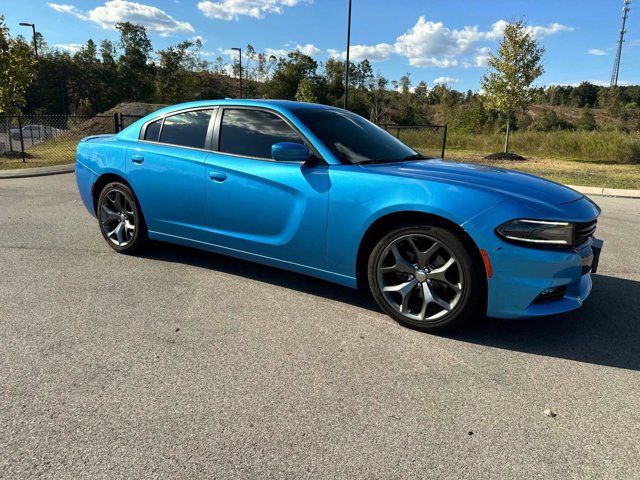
[35, 43]
[346, 70]
[239, 50]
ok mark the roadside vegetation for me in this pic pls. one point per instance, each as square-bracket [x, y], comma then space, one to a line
[573, 132]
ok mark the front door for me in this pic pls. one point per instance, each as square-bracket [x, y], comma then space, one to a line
[257, 205]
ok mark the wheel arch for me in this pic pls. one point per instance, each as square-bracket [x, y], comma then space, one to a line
[387, 222]
[100, 183]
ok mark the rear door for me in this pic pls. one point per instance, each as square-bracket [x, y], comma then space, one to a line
[166, 171]
[258, 205]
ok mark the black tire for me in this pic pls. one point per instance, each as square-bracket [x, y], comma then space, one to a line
[118, 198]
[462, 289]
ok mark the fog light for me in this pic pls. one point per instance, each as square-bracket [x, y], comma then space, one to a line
[550, 294]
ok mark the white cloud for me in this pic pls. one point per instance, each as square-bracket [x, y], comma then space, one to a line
[196, 38]
[597, 51]
[276, 52]
[309, 49]
[336, 54]
[432, 44]
[115, 11]
[445, 80]
[482, 56]
[233, 9]
[63, 8]
[538, 31]
[69, 47]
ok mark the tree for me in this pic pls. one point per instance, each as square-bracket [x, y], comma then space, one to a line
[17, 70]
[134, 66]
[305, 92]
[507, 84]
[289, 73]
[587, 120]
[176, 73]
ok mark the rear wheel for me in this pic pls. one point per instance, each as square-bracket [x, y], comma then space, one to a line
[120, 218]
[424, 277]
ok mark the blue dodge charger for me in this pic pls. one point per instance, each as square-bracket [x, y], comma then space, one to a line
[324, 192]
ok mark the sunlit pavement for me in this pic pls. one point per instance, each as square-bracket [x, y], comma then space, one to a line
[183, 364]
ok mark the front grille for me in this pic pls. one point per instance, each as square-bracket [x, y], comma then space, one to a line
[584, 231]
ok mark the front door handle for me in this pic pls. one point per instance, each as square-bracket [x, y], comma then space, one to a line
[137, 158]
[217, 176]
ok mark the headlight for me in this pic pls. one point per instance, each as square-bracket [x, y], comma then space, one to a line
[540, 232]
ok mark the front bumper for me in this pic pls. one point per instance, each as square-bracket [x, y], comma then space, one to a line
[521, 273]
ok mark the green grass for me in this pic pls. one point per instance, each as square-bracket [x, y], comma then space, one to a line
[58, 151]
[600, 159]
[572, 172]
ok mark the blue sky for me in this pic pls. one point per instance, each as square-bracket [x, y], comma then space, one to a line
[434, 40]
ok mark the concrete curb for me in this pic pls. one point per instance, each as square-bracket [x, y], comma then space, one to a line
[606, 192]
[37, 172]
[57, 169]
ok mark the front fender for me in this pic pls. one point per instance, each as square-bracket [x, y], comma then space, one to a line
[356, 203]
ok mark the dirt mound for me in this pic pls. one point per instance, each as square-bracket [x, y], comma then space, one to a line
[104, 122]
[505, 156]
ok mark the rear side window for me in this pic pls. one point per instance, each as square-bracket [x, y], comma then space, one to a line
[153, 131]
[187, 129]
[251, 133]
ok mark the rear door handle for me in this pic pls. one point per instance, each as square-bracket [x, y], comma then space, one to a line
[217, 176]
[137, 158]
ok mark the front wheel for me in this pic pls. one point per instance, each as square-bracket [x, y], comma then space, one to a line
[120, 218]
[424, 277]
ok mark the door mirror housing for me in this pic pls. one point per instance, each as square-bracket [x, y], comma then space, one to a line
[290, 152]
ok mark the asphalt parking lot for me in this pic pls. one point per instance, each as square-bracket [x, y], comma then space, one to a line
[183, 364]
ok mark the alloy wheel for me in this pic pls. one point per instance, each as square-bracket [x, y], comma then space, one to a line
[420, 278]
[117, 217]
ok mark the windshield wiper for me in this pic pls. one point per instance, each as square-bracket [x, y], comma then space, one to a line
[417, 156]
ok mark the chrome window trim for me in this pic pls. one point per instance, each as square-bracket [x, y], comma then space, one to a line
[303, 137]
[207, 141]
[212, 142]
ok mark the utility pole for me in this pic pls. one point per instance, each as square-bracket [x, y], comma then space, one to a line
[346, 69]
[239, 50]
[616, 63]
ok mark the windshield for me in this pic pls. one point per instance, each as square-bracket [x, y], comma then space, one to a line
[352, 139]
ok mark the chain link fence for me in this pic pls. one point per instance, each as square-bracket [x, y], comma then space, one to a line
[52, 139]
[428, 139]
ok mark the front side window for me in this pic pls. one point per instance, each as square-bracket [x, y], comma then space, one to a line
[188, 129]
[352, 139]
[251, 133]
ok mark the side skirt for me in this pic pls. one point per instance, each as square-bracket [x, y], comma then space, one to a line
[252, 257]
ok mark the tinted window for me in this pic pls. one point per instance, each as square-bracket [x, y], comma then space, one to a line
[351, 138]
[251, 133]
[188, 129]
[152, 131]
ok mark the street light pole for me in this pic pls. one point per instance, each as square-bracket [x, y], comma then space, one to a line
[239, 50]
[346, 74]
[35, 43]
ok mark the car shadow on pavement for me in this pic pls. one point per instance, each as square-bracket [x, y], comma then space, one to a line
[606, 331]
[262, 273]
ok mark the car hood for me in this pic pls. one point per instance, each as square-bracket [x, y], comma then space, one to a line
[508, 183]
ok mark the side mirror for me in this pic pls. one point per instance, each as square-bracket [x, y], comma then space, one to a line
[290, 152]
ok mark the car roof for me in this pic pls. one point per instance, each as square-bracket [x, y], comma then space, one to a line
[283, 106]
